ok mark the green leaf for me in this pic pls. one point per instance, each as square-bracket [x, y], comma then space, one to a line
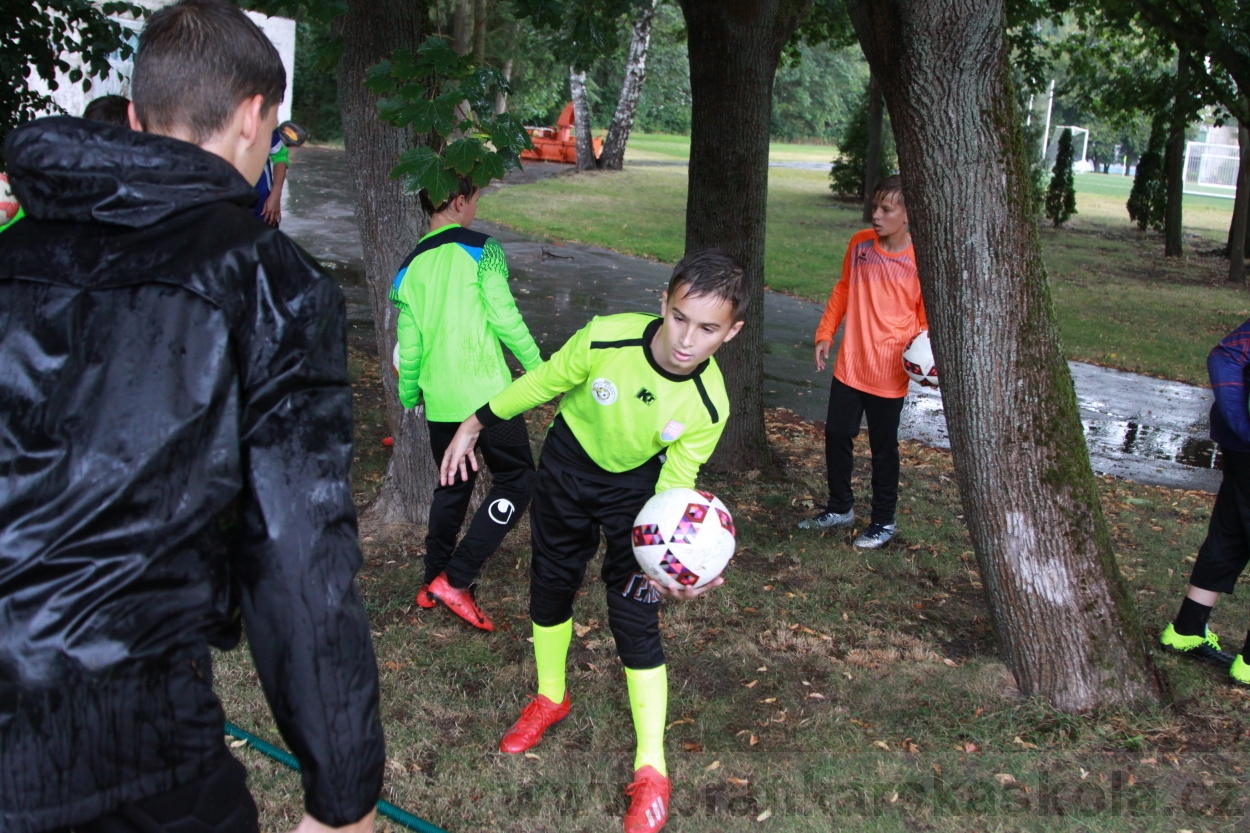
[508, 133]
[490, 167]
[416, 163]
[463, 154]
[379, 79]
[436, 57]
[393, 111]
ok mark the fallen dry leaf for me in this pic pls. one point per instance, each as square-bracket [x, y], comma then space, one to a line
[533, 755]
[950, 662]
[713, 765]
[1024, 743]
[693, 747]
[754, 740]
[581, 630]
[764, 816]
[683, 721]
[738, 782]
[235, 744]
[751, 684]
[392, 665]
[971, 747]
[1004, 779]
[815, 695]
[882, 744]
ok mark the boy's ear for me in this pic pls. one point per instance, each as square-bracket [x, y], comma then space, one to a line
[733, 331]
[135, 124]
[664, 303]
[252, 118]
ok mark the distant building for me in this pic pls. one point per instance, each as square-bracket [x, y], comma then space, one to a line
[73, 99]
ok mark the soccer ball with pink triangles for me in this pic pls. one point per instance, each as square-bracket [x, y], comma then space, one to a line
[683, 538]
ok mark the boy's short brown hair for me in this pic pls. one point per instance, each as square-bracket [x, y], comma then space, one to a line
[197, 60]
[465, 188]
[712, 272]
[111, 109]
[891, 187]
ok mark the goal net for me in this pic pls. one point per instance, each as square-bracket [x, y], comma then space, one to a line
[1211, 170]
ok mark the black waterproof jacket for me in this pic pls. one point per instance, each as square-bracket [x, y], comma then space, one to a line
[175, 444]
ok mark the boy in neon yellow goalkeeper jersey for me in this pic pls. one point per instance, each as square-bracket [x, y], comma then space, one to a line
[644, 406]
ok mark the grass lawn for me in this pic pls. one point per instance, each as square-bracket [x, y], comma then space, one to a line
[1119, 302]
[821, 689]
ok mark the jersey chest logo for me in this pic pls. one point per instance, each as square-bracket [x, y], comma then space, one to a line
[604, 391]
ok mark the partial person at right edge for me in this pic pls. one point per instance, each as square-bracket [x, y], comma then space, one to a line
[456, 313]
[177, 448]
[1223, 556]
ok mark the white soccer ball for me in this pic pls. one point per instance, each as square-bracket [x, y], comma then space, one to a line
[683, 538]
[918, 360]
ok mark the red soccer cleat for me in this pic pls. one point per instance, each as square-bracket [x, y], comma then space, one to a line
[540, 715]
[459, 602]
[424, 599]
[648, 811]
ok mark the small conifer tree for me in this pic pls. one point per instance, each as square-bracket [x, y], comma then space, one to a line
[1061, 195]
[1147, 202]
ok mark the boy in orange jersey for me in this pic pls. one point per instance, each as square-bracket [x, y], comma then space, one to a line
[879, 298]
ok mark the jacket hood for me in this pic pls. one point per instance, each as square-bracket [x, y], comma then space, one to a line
[69, 169]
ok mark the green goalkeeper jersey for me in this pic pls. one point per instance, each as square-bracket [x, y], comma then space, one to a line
[622, 408]
[456, 313]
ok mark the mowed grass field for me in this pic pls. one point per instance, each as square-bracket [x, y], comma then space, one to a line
[1118, 301]
[822, 688]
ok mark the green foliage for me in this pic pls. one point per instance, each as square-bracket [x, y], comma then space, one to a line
[846, 177]
[1061, 195]
[810, 100]
[424, 91]
[315, 100]
[583, 31]
[1147, 202]
[39, 36]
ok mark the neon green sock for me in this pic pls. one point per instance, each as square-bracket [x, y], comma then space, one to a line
[551, 653]
[648, 701]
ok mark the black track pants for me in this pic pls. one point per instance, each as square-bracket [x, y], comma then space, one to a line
[215, 803]
[506, 449]
[847, 406]
[566, 518]
[1224, 554]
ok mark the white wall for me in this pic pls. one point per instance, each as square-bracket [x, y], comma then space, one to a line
[72, 98]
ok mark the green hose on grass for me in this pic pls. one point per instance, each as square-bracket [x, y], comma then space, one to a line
[395, 814]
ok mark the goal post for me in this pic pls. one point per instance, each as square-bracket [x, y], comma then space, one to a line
[1211, 170]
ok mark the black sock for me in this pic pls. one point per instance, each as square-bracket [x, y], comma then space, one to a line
[1192, 618]
[1245, 649]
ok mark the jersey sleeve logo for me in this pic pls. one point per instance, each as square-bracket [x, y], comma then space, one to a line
[672, 431]
[604, 391]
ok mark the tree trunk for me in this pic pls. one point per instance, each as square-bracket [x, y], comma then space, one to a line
[1174, 164]
[612, 157]
[501, 100]
[462, 27]
[1237, 229]
[581, 121]
[872, 159]
[1064, 621]
[480, 15]
[390, 223]
[734, 47]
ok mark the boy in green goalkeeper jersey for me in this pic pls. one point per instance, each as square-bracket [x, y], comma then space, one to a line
[644, 406]
[456, 314]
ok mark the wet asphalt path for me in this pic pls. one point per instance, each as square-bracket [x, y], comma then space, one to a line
[1137, 427]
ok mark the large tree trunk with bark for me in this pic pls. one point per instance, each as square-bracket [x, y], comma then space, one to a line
[1174, 163]
[1064, 621]
[581, 121]
[462, 27]
[1237, 239]
[390, 222]
[612, 157]
[734, 47]
[872, 159]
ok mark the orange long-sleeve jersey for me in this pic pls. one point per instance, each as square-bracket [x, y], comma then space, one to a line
[879, 296]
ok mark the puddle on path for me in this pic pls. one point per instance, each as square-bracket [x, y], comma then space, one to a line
[1140, 428]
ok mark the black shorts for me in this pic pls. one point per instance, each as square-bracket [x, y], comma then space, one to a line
[1224, 554]
[568, 513]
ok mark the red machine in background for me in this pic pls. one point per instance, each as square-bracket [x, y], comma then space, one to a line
[556, 144]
